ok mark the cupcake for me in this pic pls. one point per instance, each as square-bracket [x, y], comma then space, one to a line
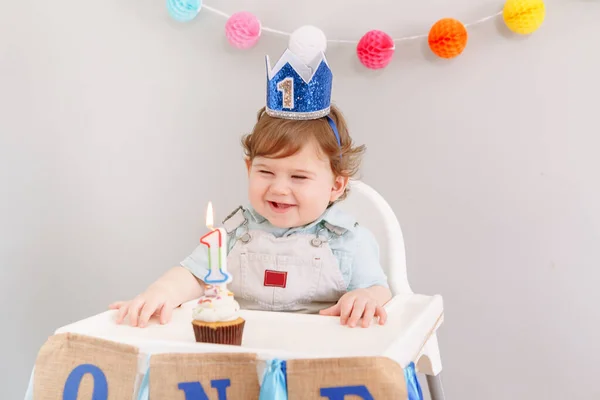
[216, 318]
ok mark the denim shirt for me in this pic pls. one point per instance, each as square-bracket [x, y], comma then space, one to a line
[356, 250]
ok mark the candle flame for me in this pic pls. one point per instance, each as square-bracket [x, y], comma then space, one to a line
[210, 220]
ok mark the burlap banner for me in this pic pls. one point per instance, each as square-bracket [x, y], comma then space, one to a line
[207, 376]
[76, 367]
[366, 378]
[73, 367]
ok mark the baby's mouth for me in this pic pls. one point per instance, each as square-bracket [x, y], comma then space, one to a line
[280, 206]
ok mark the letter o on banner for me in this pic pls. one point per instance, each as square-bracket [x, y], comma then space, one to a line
[74, 367]
[74, 380]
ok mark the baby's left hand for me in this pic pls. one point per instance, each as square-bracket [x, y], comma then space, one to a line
[356, 305]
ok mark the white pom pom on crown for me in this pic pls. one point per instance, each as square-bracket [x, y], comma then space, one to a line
[307, 42]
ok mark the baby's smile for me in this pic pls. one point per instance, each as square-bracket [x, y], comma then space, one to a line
[280, 207]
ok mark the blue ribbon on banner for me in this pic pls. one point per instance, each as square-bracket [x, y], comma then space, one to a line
[274, 384]
[413, 387]
[143, 391]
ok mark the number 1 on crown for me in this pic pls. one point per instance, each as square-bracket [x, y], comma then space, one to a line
[286, 86]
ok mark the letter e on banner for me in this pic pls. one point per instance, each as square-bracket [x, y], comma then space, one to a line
[340, 393]
[365, 378]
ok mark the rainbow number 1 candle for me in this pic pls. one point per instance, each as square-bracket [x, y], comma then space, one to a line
[216, 241]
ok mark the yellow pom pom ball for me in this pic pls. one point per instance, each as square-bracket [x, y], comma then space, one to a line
[524, 16]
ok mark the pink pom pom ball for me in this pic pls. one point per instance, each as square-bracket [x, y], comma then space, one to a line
[375, 49]
[242, 30]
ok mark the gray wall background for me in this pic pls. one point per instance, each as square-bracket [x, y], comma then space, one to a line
[111, 114]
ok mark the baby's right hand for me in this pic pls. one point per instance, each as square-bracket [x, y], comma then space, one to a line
[154, 301]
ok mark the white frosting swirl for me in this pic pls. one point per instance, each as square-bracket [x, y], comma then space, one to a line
[217, 305]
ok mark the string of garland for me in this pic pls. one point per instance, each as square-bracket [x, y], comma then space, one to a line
[447, 37]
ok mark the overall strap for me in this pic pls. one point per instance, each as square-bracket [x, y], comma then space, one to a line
[234, 221]
[322, 236]
[338, 231]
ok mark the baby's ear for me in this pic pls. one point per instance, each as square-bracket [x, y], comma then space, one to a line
[339, 186]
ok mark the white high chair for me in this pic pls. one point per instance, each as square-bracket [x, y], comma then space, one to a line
[409, 336]
[372, 211]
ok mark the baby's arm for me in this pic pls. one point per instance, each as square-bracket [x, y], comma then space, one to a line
[175, 287]
[368, 289]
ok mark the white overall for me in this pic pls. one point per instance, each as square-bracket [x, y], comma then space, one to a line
[293, 273]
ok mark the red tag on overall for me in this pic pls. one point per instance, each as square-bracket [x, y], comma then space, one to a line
[275, 278]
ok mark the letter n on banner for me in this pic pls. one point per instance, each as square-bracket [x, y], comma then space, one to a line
[365, 378]
[71, 367]
[204, 376]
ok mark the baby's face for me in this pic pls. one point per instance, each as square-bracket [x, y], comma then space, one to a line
[295, 190]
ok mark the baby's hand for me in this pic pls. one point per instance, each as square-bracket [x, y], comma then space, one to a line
[355, 305]
[154, 301]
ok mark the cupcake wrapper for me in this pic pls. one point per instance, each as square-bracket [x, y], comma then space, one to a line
[230, 334]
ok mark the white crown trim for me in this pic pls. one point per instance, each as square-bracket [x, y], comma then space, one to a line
[306, 71]
[298, 115]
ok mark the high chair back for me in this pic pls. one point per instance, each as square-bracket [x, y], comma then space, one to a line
[372, 211]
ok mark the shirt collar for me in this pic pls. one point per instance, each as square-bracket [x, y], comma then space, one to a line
[333, 215]
[259, 219]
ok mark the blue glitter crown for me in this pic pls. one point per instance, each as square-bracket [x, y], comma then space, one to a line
[296, 90]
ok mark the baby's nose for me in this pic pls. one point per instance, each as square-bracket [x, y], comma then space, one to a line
[279, 188]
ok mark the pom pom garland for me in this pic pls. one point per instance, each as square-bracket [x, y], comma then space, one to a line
[375, 49]
[447, 38]
[183, 10]
[524, 16]
[242, 30]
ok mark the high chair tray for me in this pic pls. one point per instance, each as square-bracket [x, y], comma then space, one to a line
[411, 320]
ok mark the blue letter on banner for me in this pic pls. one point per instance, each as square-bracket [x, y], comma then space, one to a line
[221, 385]
[74, 380]
[339, 393]
[195, 391]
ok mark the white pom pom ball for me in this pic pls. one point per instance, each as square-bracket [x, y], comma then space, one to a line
[306, 42]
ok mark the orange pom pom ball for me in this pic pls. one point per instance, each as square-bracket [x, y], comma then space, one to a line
[448, 38]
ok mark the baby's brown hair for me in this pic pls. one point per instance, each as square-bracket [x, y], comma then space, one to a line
[278, 138]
